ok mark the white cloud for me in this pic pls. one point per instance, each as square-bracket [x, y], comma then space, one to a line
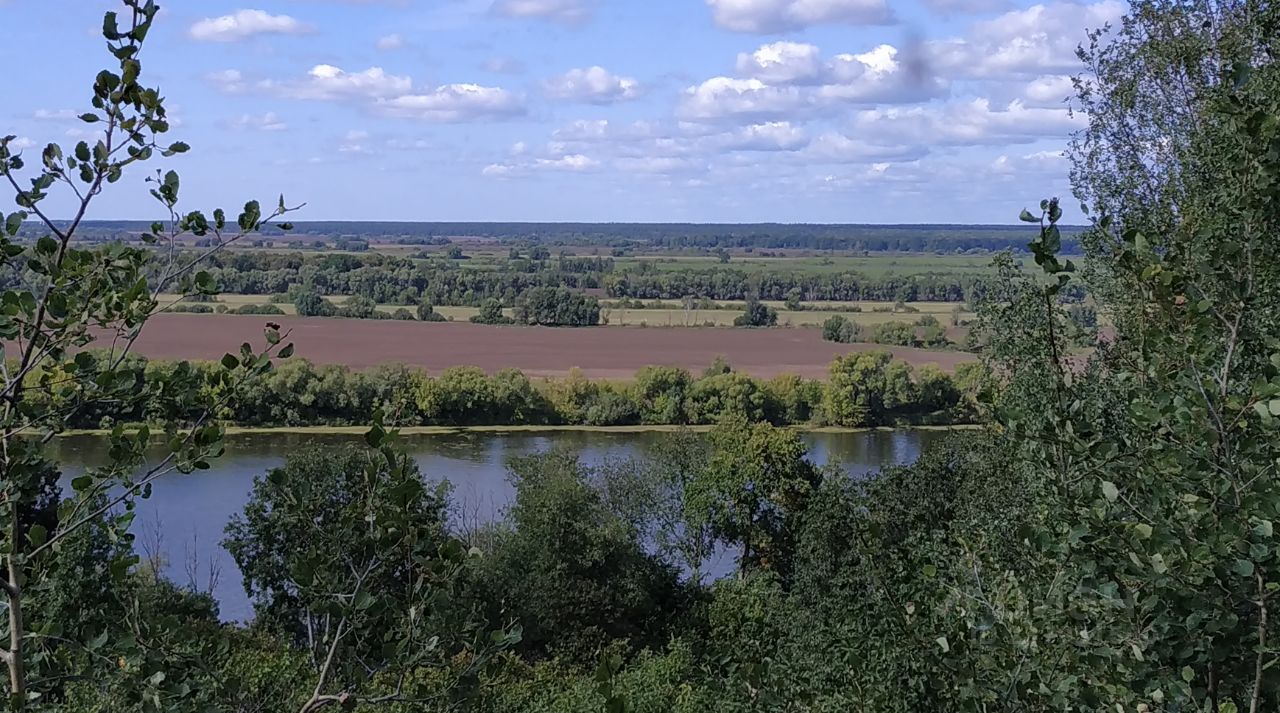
[1028, 42]
[658, 165]
[265, 122]
[353, 142]
[772, 136]
[455, 103]
[328, 83]
[787, 78]
[833, 147]
[243, 24]
[783, 63]
[227, 81]
[572, 162]
[969, 123]
[565, 12]
[595, 85]
[55, 115]
[719, 97]
[393, 41]
[1050, 90]
[21, 143]
[772, 16]
[963, 7]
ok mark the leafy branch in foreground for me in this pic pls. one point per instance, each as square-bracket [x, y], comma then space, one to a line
[64, 299]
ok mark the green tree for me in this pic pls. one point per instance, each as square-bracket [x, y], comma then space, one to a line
[346, 552]
[66, 298]
[491, 313]
[756, 314]
[572, 573]
[661, 392]
[309, 303]
[755, 485]
[428, 313]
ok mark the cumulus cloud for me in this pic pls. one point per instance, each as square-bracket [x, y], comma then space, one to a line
[455, 103]
[785, 78]
[1051, 90]
[773, 16]
[565, 12]
[970, 123]
[393, 41]
[243, 24]
[595, 85]
[227, 81]
[719, 97]
[835, 147]
[571, 162]
[1028, 42]
[771, 136]
[783, 63]
[326, 82]
[264, 122]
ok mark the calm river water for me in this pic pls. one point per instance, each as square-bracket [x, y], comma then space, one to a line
[182, 523]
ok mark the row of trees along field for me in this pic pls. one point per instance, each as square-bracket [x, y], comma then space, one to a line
[864, 389]
[398, 280]
[1108, 544]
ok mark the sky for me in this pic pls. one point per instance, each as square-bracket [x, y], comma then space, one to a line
[798, 111]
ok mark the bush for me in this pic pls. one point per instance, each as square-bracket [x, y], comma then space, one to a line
[190, 309]
[757, 314]
[841, 329]
[557, 307]
[258, 309]
[308, 303]
[427, 313]
[491, 313]
[358, 307]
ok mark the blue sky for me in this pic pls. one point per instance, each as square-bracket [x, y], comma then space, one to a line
[870, 111]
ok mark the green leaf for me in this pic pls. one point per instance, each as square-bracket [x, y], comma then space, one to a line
[1110, 491]
[1143, 530]
[930, 571]
[89, 118]
[229, 361]
[363, 601]
[1242, 567]
[38, 535]
[1188, 674]
[286, 351]
[1028, 217]
[943, 644]
[1263, 528]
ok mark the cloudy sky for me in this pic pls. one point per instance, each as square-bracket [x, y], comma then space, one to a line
[875, 111]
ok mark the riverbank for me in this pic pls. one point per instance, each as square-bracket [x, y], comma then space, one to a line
[451, 430]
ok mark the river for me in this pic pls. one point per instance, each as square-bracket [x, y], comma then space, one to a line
[181, 524]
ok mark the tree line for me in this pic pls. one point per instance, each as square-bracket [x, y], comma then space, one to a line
[863, 389]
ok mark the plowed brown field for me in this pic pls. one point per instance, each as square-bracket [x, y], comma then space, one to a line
[607, 353]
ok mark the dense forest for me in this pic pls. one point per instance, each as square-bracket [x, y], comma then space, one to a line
[1104, 543]
[397, 280]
